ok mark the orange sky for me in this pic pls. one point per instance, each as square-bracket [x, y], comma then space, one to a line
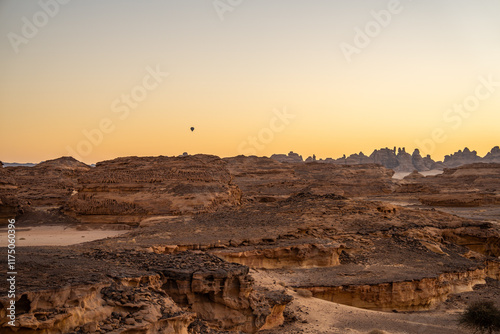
[91, 79]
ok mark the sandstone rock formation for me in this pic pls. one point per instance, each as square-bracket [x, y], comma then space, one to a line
[394, 258]
[402, 161]
[467, 156]
[206, 226]
[493, 155]
[126, 190]
[385, 157]
[48, 184]
[123, 190]
[468, 185]
[232, 304]
[291, 157]
[405, 161]
[355, 159]
[418, 161]
[129, 190]
[284, 256]
[137, 292]
[266, 180]
[461, 158]
[10, 206]
[414, 295]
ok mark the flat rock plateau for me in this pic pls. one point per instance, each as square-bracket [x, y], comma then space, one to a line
[250, 244]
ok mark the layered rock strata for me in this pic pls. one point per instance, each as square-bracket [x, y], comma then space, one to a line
[415, 295]
[95, 290]
[126, 190]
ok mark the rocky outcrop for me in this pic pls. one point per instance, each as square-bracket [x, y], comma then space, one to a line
[291, 157]
[493, 155]
[266, 180]
[402, 161]
[293, 256]
[464, 186]
[431, 164]
[137, 292]
[10, 205]
[357, 159]
[385, 157]
[416, 295]
[418, 162]
[322, 179]
[48, 184]
[221, 293]
[126, 190]
[481, 239]
[461, 158]
[460, 199]
[10, 208]
[405, 161]
[131, 305]
[311, 159]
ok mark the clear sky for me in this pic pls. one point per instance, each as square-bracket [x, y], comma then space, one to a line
[101, 79]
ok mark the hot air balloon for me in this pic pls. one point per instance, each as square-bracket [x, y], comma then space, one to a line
[192, 129]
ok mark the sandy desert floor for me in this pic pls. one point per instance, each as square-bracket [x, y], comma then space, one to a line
[319, 316]
[401, 175]
[57, 235]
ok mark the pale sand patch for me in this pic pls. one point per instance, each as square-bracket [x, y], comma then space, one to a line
[321, 316]
[56, 235]
[401, 175]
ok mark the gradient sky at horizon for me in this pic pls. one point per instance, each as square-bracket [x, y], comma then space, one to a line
[227, 77]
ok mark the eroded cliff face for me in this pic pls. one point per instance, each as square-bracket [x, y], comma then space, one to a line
[47, 184]
[131, 305]
[416, 295]
[136, 292]
[126, 190]
[460, 200]
[466, 186]
[482, 240]
[462, 158]
[295, 256]
[222, 294]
